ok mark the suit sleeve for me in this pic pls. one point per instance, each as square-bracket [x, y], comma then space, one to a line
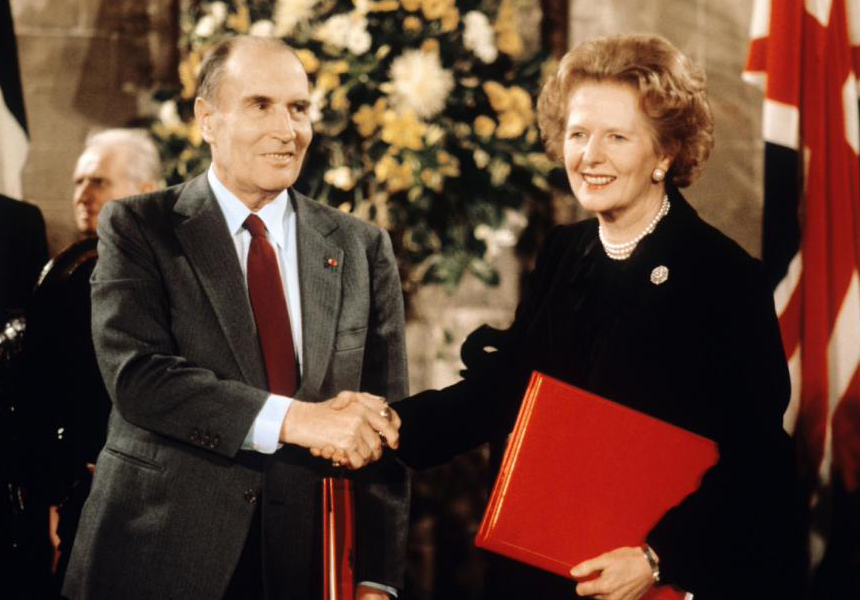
[152, 385]
[382, 489]
[741, 519]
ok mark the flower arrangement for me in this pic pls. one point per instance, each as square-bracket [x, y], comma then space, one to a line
[423, 118]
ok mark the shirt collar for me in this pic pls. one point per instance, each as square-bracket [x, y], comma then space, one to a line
[273, 214]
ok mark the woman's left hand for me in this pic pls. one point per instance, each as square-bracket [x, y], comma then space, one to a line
[624, 575]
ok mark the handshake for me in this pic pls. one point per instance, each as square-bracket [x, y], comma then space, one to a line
[350, 429]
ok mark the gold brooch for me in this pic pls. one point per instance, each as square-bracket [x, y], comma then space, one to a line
[659, 275]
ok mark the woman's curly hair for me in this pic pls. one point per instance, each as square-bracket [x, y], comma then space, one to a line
[671, 90]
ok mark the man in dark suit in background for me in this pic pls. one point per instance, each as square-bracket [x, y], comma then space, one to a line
[228, 312]
[23, 253]
[67, 405]
[24, 555]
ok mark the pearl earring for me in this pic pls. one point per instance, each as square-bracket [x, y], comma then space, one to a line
[657, 175]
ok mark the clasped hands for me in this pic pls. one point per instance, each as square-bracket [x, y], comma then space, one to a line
[350, 429]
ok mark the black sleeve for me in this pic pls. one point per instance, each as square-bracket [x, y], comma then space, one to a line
[439, 424]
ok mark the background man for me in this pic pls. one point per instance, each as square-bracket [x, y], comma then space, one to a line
[66, 402]
[225, 311]
[115, 163]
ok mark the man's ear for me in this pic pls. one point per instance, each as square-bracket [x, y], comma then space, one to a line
[203, 114]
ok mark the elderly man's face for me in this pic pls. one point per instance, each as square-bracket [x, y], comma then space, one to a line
[258, 126]
[101, 175]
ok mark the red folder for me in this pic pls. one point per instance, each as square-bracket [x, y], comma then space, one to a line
[338, 539]
[583, 475]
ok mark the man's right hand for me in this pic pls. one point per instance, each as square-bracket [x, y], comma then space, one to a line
[351, 423]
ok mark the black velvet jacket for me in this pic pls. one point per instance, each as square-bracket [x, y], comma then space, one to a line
[701, 350]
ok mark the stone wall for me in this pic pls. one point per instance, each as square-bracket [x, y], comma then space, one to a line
[83, 66]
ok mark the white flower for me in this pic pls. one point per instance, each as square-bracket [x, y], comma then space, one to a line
[495, 239]
[359, 41]
[168, 114]
[346, 30]
[419, 83]
[205, 26]
[288, 14]
[341, 177]
[479, 37]
[318, 102]
[262, 28]
[218, 10]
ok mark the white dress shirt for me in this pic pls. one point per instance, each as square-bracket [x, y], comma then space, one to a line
[279, 217]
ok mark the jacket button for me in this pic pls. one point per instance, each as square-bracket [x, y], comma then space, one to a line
[251, 496]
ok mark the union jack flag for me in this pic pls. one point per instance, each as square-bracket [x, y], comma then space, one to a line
[806, 56]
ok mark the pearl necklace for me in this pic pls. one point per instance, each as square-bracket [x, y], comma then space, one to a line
[623, 251]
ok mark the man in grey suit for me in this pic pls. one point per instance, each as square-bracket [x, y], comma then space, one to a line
[205, 487]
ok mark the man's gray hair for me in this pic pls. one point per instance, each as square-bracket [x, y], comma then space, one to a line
[143, 164]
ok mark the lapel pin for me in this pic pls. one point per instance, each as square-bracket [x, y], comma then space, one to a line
[659, 275]
[331, 262]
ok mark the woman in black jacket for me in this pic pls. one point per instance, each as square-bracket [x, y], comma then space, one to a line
[651, 307]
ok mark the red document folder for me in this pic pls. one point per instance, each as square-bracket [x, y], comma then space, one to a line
[583, 475]
[338, 539]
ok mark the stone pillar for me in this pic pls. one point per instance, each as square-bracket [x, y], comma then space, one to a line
[85, 65]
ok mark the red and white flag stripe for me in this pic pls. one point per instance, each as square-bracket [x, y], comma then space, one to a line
[805, 55]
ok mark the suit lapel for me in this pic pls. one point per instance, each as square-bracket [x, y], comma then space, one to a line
[203, 234]
[320, 283]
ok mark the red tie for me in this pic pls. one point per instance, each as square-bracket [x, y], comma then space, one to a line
[270, 311]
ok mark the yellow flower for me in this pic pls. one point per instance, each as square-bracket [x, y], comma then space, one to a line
[327, 80]
[337, 66]
[434, 134]
[498, 96]
[188, 70]
[241, 21]
[514, 107]
[403, 130]
[430, 45]
[449, 165]
[395, 175]
[432, 179]
[339, 101]
[482, 159]
[511, 125]
[434, 9]
[340, 177]
[484, 126]
[450, 19]
[510, 43]
[368, 118]
[309, 60]
[383, 6]
[508, 39]
[499, 171]
[541, 161]
[412, 23]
